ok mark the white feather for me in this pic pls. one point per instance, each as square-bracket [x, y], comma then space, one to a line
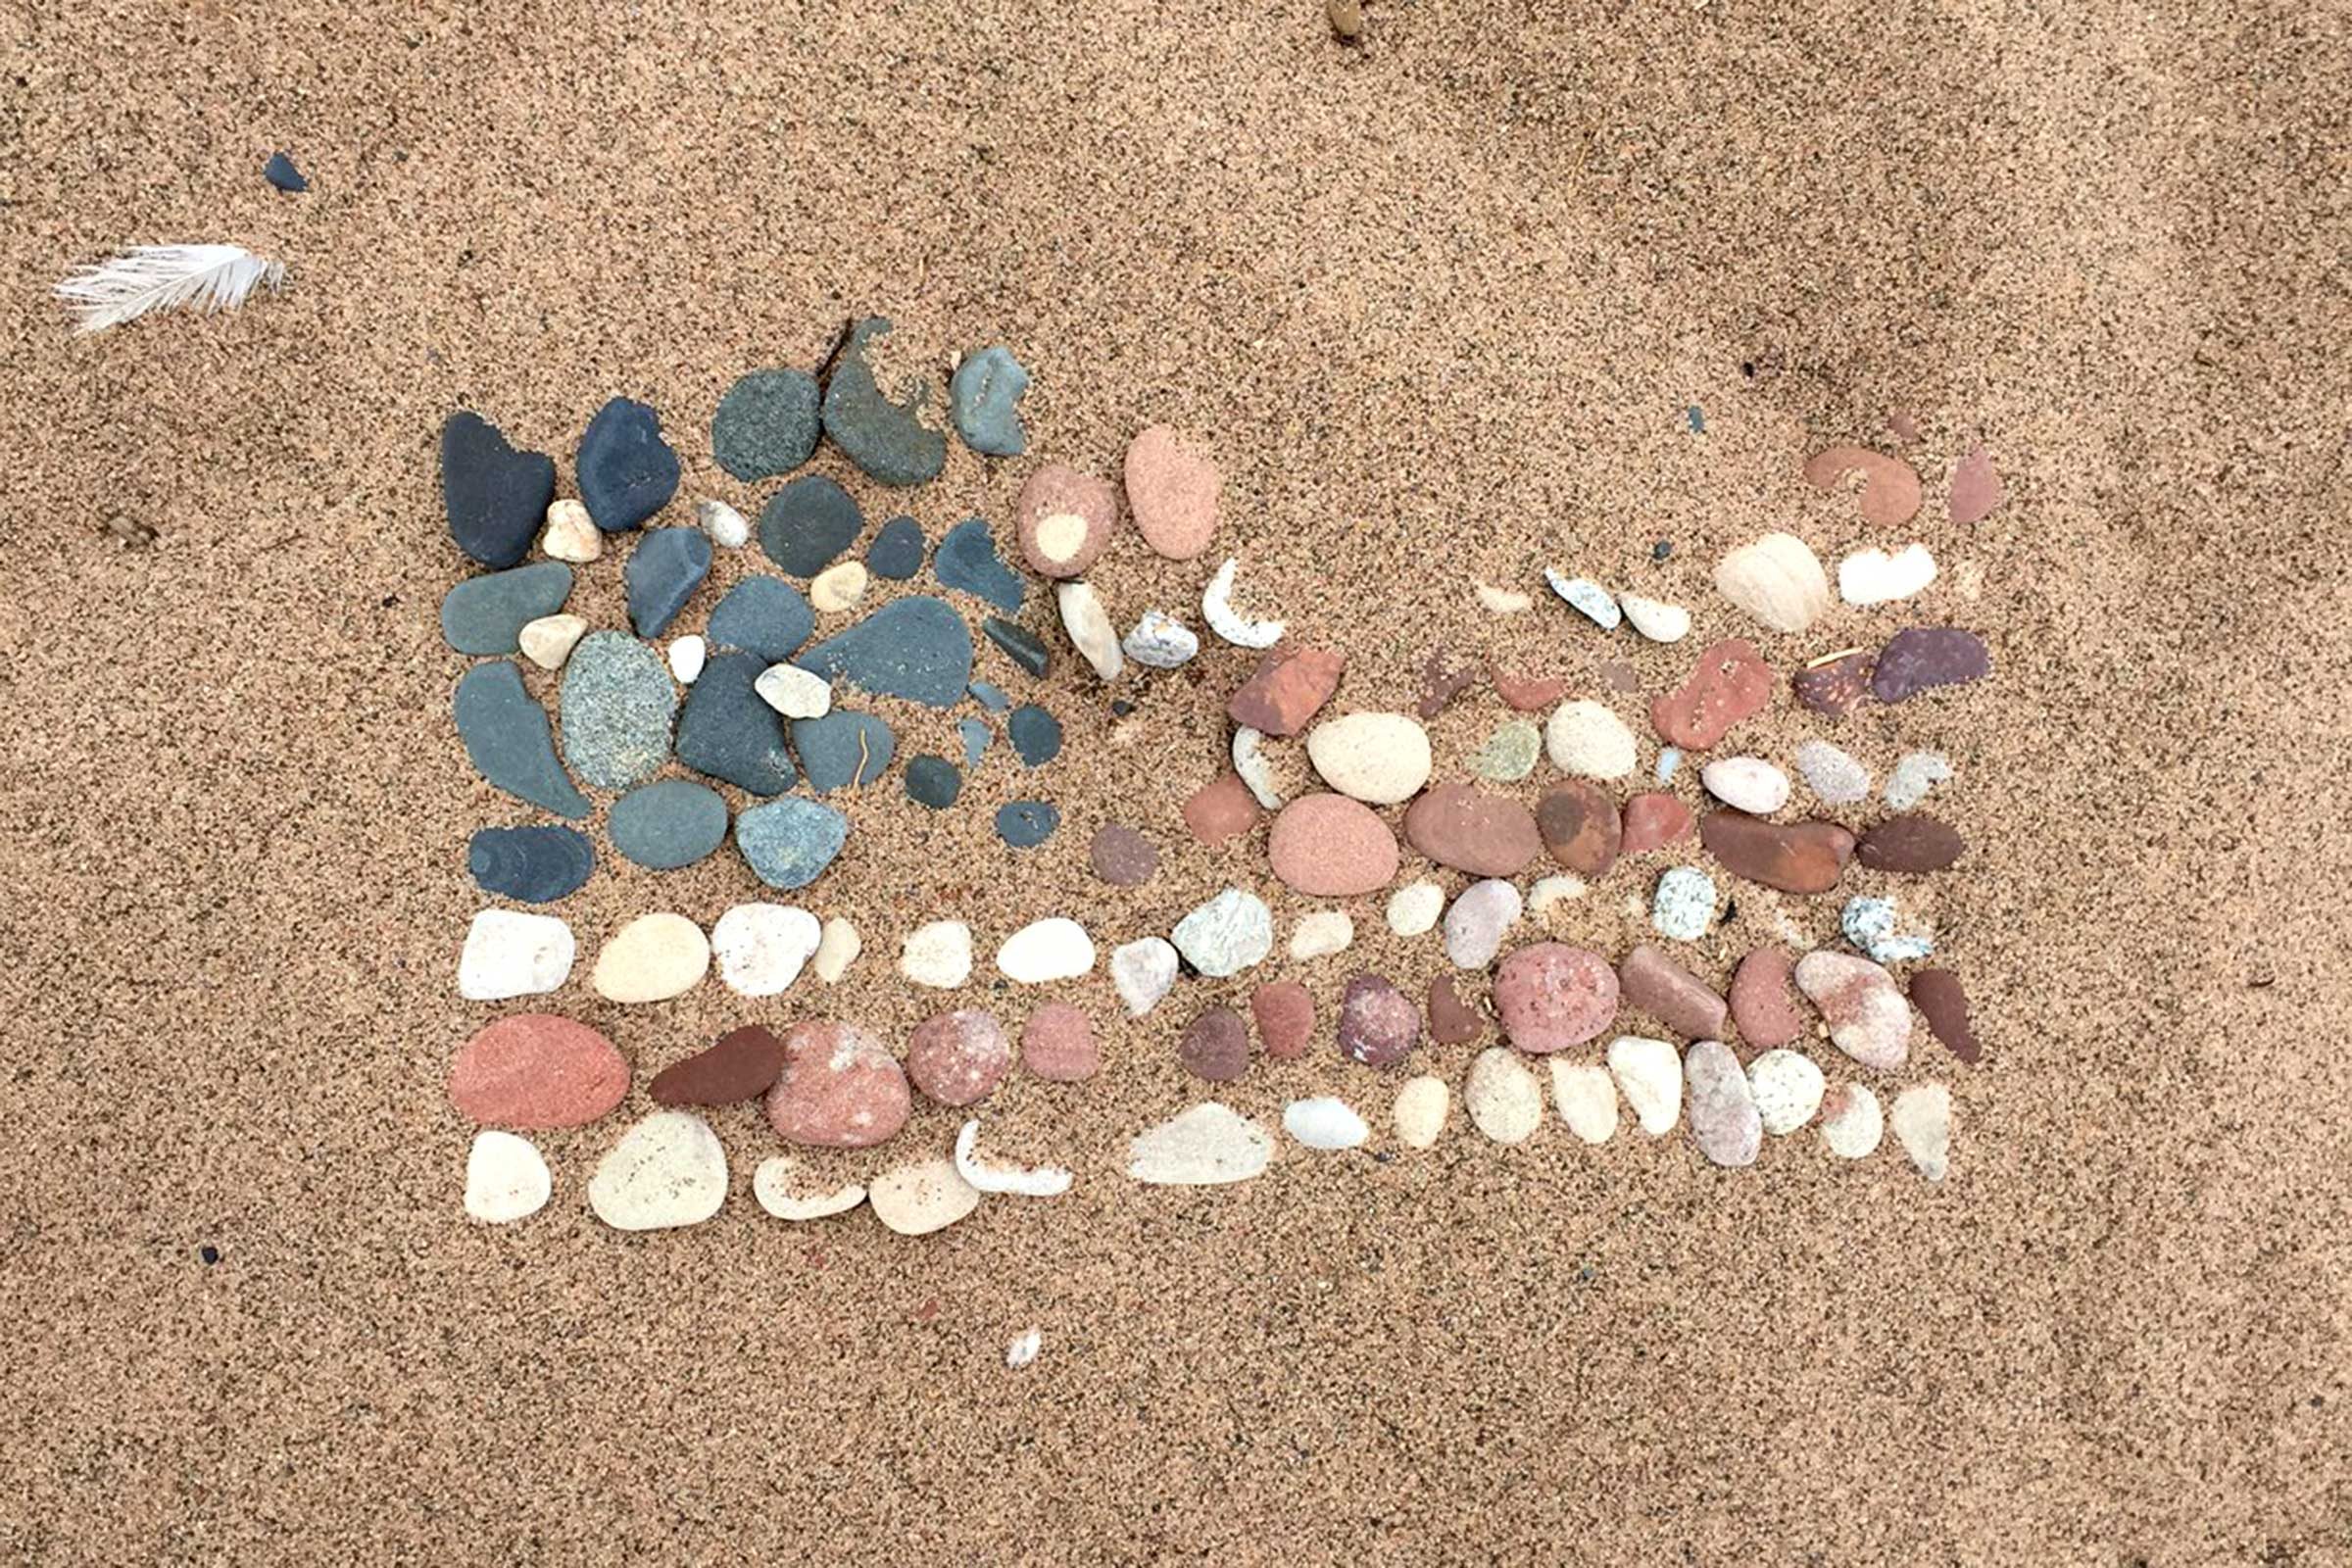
[154, 278]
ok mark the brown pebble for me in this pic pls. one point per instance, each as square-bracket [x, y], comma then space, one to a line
[1122, 856]
[1378, 1026]
[1975, 487]
[1764, 1000]
[1889, 485]
[1063, 519]
[1911, 844]
[1291, 682]
[1527, 693]
[1454, 1019]
[1580, 825]
[1058, 1044]
[1921, 658]
[1616, 675]
[1653, 821]
[1442, 681]
[1834, 684]
[1731, 682]
[1485, 835]
[1650, 982]
[1330, 846]
[1216, 1046]
[1938, 995]
[740, 1067]
[957, 1057]
[1794, 856]
[1285, 1019]
[1220, 810]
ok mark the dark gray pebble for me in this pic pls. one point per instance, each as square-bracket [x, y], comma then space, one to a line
[485, 615]
[496, 497]
[842, 750]
[983, 398]
[626, 471]
[789, 841]
[530, 864]
[1036, 734]
[967, 562]
[764, 616]
[766, 424]
[934, 782]
[917, 648]
[885, 438]
[510, 741]
[670, 823]
[1020, 644]
[1025, 824]
[726, 732]
[281, 171]
[664, 569]
[617, 705]
[808, 524]
[897, 553]
[976, 737]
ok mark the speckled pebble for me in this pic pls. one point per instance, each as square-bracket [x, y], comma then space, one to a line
[1834, 776]
[1509, 753]
[766, 424]
[1588, 598]
[617, 705]
[1586, 739]
[938, 955]
[1724, 1122]
[1869, 924]
[1321, 934]
[1787, 1089]
[1914, 774]
[788, 842]
[666, 1171]
[1422, 1107]
[1142, 972]
[1683, 905]
[1504, 1099]
[1852, 1122]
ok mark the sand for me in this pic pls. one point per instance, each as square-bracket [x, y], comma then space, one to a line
[1441, 306]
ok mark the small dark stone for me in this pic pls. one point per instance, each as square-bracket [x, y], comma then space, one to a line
[966, 560]
[1025, 824]
[1020, 645]
[934, 782]
[1922, 658]
[1911, 844]
[897, 552]
[486, 614]
[743, 1063]
[990, 697]
[670, 823]
[1661, 550]
[281, 171]
[842, 750]
[510, 741]
[209, 1252]
[1939, 998]
[1036, 734]
[766, 424]
[496, 497]
[917, 648]
[726, 732]
[808, 524]
[885, 438]
[1120, 708]
[1216, 1046]
[626, 471]
[1122, 856]
[976, 737]
[664, 569]
[764, 616]
[530, 864]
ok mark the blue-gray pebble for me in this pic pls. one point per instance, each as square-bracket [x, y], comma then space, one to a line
[789, 843]
[1019, 643]
[617, 705]
[626, 471]
[917, 648]
[530, 864]
[670, 823]
[1036, 734]
[984, 395]
[975, 740]
[1025, 824]
[967, 562]
[897, 553]
[496, 497]
[884, 438]
[766, 424]
[509, 741]
[664, 569]
[933, 781]
[281, 171]
[807, 523]
[485, 615]
[764, 616]
[843, 749]
[990, 696]
[725, 731]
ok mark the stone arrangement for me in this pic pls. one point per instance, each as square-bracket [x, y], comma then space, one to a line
[760, 703]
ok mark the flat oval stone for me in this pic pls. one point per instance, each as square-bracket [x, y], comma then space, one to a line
[1025, 824]
[626, 471]
[1788, 1090]
[1063, 519]
[917, 648]
[1834, 684]
[1889, 485]
[1527, 694]
[664, 569]
[1648, 981]
[1041, 951]
[665, 1171]
[766, 616]
[1230, 932]
[956, 1058]
[537, 1070]
[1724, 1121]
[1975, 487]
[766, 424]
[653, 959]
[1057, 1043]
[1453, 1019]
[617, 705]
[886, 438]
[1122, 856]
[1216, 1046]
[1509, 753]
[1587, 1099]
[1504, 1099]
[1485, 835]
[1834, 776]
[1379, 1025]
[1653, 821]
[1650, 1074]
[1035, 735]
[984, 399]
[1208, 1145]
[1325, 1123]
[667, 824]
[806, 526]
[1172, 489]
[1851, 1123]
[1551, 995]
[1911, 844]
[1483, 914]
[728, 529]
[1747, 784]
[896, 552]
[922, 1197]
[1285, 1019]
[788, 842]
[1921, 1119]
[842, 750]
[1328, 846]
[531, 865]
[1290, 684]
[1939, 998]
[1585, 739]
[1382, 759]
[1868, 1018]
[1421, 1109]
[510, 954]
[506, 1179]
[1580, 826]
[1731, 683]
[1924, 658]
[966, 561]
[1763, 1001]
[741, 1065]
[841, 1089]
[494, 495]
[486, 614]
[1221, 809]
[761, 948]
[726, 731]
[933, 781]
[1413, 910]
[1794, 856]
[1321, 934]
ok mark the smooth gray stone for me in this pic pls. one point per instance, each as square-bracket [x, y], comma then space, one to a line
[616, 707]
[990, 696]
[664, 569]
[725, 731]
[1036, 734]
[806, 525]
[669, 823]
[1019, 643]
[486, 614]
[530, 864]
[764, 616]
[933, 781]
[883, 437]
[976, 737]
[842, 750]
[983, 398]
[967, 562]
[915, 648]
[1025, 824]
[789, 843]
[510, 740]
[766, 424]
[626, 470]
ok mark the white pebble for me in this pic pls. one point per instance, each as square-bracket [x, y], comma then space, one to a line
[1089, 626]
[1159, 641]
[1746, 783]
[1414, 909]
[728, 529]
[549, 641]
[1216, 605]
[1834, 776]
[1502, 601]
[794, 692]
[510, 954]
[1875, 577]
[1587, 1099]
[1586, 739]
[1655, 619]
[1208, 1145]
[1481, 917]
[761, 948]
[837, 949]
[986, 1175]
[837, 588]
[1851, 1123]
[1324, 1123]
[1379, 759]
[506, 1179]
[921, 1197]
[1422, 1105]
[1650, 1074]
[665, 1171]
[938, 955]
[1788, 1090]
[1551, 890]
[1321, 934]
[687, 656]
[1142, 972]
[1503, 1099]
[1922, 1121]
[1043, 951]
[1588, 598]
[778, 1186]
[653, 959]
[1249, 761]
[1914, 775]
[1228, 934]
[571, 534]
[1023, 1351]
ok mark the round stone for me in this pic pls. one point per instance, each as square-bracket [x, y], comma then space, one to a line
[1852, 1122]
[1586, 739]
[510, 954]
[1228, 934]
[1509, 753]
[837, 588]
[1747, 784]
[537, 1070]
[766, 424]
[1285, 1015]
[1220, 810]
[1551, 995]
[1216, 1046]
[727, 527]
[1683, 905]
[933, 781]
[1421, 1109]
[1172, 490]
[1328, 846]
[808, 524]
[789, 843]
[506, 1179]
[1045, 951]
[652, 959]
[667, 1170]
[1379, 1025]
[667, 824]
[1414, 909]
[938, 955]
[617, 705]
[1834, 776]
[687, 656]
[1025, 824]
[1478, 920]
[1381, 759]
[1651, 822]
[794, 692]
[841, 1089]
[917, 1199]
[1057, 1043]
[1122, 856]
[1504, 1099]
[764, 617]
[896, 553]
[956, 1057]
[1788, 1090]
[1063, 521]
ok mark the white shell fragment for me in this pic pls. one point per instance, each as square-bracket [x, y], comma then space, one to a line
[1208, 1145]
[1875, 577]
[1922, 1121]
[1650, 1074]
[778, 1186]
[1023, 1351]
[1217, 604]
[1089, 626]
[794, 692]
[1324, 1123]
[1249, 761]
[988, 1175]
[1502, 601]
[1588, 598]
[1777, 579]
[1159, 641]
[1655, 619]
[938, 955]
[687, 657]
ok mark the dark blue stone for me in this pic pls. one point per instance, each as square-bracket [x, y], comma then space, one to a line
[883, 437]
[789, 841]
[727, 733]
[496, 497]
[1025, 824]
[486, 614]
[281, 171]
[764, 616]
[967, 562]
[1036, 734]
[897, 553]
[766, 424]
[990, 696]
[976, 737]
[842, 749]
[664, 569]
[917, 648]
[983, 398]
[670, 823]
[1020, 645]
[530, 864]
[510, 741]
[807, 523]
[934, 782]
[626, 471]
